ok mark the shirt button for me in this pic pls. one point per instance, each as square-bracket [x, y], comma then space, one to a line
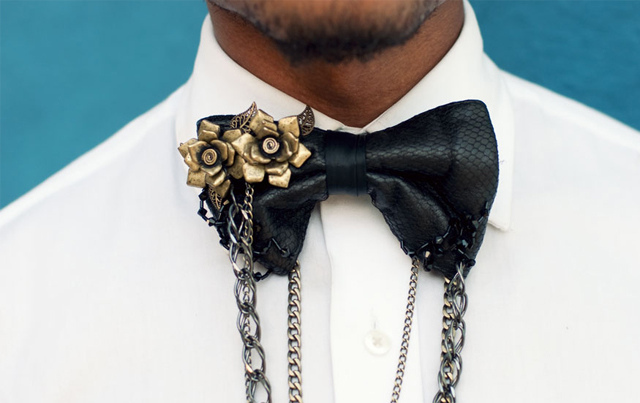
[377, 343]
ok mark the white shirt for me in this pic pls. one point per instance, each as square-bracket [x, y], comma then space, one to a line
[112, 289]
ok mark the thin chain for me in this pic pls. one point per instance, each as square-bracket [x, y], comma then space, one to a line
[294, 333]
[406, 332]
[241, 255]
[453, 335]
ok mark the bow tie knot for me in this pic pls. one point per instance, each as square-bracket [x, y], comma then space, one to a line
[345, 156]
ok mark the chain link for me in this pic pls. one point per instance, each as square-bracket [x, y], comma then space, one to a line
[240, 229]
[294, 334]
[453, 336]
[406, 331]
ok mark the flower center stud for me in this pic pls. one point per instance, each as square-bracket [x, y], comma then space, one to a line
[270, 145]
[209, 156]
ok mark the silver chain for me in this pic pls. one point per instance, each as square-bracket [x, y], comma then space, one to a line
[241, 256]
[453, 336]
[294, 334]
[406, 331]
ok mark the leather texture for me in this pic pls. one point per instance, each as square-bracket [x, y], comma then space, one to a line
[434, 178]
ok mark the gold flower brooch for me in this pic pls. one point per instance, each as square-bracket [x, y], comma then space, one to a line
[251, 146]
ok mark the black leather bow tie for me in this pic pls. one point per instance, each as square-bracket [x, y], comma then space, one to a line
[434, 178]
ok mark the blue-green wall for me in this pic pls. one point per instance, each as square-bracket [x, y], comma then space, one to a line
[74, 72]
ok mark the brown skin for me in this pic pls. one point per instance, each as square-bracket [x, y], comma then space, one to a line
[354, 91]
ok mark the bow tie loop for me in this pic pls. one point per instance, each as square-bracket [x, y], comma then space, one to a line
[346, 166]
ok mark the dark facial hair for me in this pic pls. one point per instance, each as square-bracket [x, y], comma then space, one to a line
[337, 39]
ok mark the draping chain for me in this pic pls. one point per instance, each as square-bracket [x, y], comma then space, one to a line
[294, 334]
[240, 229]
[453, 335]
[406, 331]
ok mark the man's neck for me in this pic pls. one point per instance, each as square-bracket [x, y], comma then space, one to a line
[353, 92]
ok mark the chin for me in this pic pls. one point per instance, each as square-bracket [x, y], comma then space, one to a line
[333, 30]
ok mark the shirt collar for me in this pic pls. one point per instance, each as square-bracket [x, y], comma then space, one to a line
[220, 86]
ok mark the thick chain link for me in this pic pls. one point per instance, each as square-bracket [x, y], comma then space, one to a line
[241, 256]
[294, 334]
[406, 331]
[453, 336]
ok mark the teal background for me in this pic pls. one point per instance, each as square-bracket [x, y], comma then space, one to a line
[73, 72]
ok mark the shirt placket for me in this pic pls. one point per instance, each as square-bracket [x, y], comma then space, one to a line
[370, 281]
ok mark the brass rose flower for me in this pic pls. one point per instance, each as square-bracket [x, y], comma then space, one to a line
[250, 147]
[206, 156]
[268, 149]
